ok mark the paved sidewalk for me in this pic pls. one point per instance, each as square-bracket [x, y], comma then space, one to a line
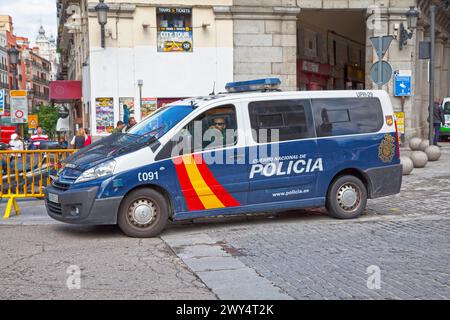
[35, 263]
[302, 254]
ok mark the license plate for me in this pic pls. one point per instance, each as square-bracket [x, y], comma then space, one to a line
[53, 197]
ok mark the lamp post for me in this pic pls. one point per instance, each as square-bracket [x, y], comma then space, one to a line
[412, 15]
[102, 14]
[433, 10]
[140, 83]
[13, 54]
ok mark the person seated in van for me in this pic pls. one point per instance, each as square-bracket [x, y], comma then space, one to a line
[78, 140]
[215, 136]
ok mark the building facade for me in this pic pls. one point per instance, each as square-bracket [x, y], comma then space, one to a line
[3, 65]
[308, 44]
[38, 79]
[46, 48]
[173, 51]
[331, 39]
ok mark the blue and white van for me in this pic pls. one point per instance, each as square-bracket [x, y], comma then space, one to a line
[253, 149]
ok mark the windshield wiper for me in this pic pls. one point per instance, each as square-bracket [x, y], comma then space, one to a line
[142, 140]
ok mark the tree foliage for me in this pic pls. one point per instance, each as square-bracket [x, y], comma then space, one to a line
[48, 117]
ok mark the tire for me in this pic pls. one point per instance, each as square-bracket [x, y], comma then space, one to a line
[346, 198]
[143, 213]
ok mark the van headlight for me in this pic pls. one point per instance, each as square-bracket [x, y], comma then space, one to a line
[102, 170]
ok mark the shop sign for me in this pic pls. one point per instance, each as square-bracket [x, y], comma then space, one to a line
[174, 31]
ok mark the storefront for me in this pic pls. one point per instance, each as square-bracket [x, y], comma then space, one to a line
[354, 77]
[313, 76]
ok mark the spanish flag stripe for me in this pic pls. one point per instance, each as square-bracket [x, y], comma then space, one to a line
[192, 200]
[204, 192]
[215, 186]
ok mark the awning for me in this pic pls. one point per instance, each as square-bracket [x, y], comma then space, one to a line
[65, 90]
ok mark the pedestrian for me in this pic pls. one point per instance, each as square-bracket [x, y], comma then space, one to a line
[126, 114]
[88, 139]
[63, 142]
[438, 119]
[78, 140]
[119, 127]
[35, 140]
[131, 123]
[17, 144]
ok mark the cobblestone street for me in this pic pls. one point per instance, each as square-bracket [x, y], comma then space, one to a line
[293, 255]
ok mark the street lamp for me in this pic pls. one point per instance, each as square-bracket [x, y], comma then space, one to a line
[13, 54]
[140, 83]
[412, 15]
[102, 14]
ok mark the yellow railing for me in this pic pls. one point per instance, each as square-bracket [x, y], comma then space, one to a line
[24, 174]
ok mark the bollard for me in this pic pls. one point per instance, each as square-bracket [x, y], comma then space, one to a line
[414, 143]
[424, 144]
[407, 165]
[419, 159]
[433, 153]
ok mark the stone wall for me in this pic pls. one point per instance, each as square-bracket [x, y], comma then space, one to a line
[265, 40]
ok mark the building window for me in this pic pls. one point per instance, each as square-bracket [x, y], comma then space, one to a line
[174, 29]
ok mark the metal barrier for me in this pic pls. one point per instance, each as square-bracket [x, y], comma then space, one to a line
[24, 174]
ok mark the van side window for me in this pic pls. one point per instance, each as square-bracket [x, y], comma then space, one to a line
[343, 116]
[213, 129]
[292, 119]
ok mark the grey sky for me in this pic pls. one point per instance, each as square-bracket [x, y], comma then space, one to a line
[28, 15]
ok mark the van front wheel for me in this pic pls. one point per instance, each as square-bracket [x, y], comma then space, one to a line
[143, 213]
[346, 198]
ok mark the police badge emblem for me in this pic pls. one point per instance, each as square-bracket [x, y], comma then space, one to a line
[389, 120]
[386, 150]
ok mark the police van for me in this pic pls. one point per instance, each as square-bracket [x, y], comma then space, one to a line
[252, 149]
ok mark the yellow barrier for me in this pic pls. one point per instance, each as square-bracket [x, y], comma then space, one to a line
[24, 174]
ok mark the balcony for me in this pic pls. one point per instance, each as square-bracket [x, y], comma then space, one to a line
[41, 80]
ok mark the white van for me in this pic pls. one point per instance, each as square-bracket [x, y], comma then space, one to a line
[253, 149]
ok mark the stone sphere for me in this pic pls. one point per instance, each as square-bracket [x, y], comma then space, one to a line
[433, 153]
[424, 144]
[407, 165]
[419, 159]
[414, 143]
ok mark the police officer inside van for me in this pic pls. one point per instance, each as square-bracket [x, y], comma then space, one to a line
[216, 133]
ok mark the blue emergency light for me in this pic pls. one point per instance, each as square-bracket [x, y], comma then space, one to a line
[253, 85]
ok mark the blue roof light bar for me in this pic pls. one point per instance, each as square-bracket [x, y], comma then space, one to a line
[253, 85]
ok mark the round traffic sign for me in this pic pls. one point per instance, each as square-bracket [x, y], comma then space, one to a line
[382, 76]
[19, 114]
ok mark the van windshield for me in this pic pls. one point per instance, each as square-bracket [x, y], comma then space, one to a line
[161, 121]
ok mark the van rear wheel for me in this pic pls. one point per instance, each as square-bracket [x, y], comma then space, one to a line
[346, 198]
[143, 213]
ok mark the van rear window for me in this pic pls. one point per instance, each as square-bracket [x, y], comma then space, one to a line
[344, 116]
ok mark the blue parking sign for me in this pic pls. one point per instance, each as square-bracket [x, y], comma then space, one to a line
[2, 101]
[402, 86]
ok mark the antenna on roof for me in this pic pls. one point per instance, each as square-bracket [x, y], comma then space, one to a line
[213, 93]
